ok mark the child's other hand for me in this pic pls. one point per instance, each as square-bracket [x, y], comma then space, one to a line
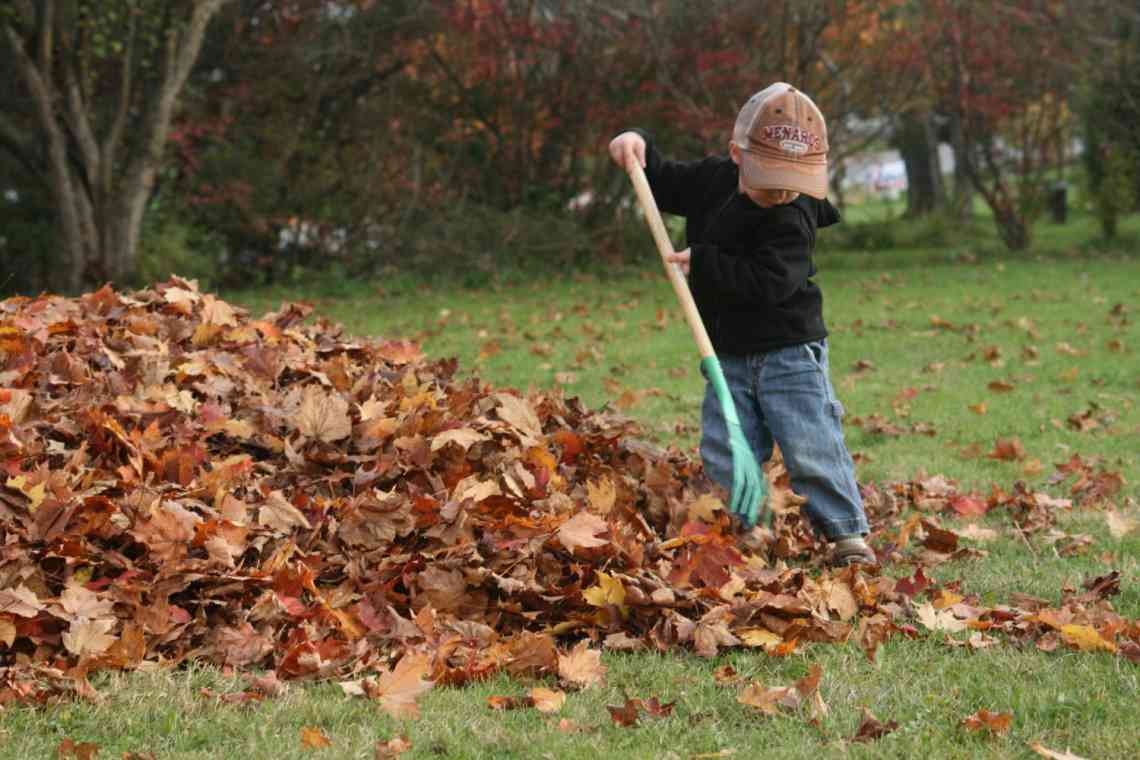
[681, 259]
[626, 148]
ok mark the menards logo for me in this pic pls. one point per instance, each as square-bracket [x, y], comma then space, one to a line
[791, 138]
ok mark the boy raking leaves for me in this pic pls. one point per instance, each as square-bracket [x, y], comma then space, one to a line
[751, 221]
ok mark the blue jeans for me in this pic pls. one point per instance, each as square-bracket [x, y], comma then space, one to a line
[785, 395]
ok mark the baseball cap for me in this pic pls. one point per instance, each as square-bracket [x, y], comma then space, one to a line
[783, 141]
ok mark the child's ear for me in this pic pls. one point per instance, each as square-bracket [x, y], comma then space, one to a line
[734, 152]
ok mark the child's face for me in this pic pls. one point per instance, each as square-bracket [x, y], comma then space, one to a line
[769, 198]
[762, 198]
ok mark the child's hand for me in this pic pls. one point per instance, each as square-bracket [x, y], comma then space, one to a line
[681, 259]
[626, 148]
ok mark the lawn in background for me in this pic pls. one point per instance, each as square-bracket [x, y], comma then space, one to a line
[922, 343]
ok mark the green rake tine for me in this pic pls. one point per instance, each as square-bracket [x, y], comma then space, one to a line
[749, 488]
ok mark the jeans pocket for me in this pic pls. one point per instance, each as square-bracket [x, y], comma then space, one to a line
[817, 352]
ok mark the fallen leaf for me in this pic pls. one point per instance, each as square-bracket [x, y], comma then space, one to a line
[581, 531]
[322, 415]
[1007, 449]
[976, 533]
[461, 437]
[759, 637]
[80, 750]
[871, 729]
[547, 700]
[279, 514]
[1120, 525]
[968, 505]
[1053, 754]
[582, 666]
[608, 591]
[936, 620]
[624, 715]
[567, 726]
[768, 700]
[726, 675]
[394, 747]
[602, 495]
[399, 688]
[1085, 638]
[88, 637]
[518, 413]
[312, 737]
[984, 720]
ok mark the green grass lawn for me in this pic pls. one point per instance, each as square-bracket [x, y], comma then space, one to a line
[912, 342]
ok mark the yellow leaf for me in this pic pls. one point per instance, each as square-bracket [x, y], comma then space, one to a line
[608, 591]
[547, 700]
[759, 637]
[1085, 638]
[602, 495]
[34, 493]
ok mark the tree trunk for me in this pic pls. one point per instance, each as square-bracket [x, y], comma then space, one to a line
[101, 182]
[963, 199]
[918, 145]
[1013, 230]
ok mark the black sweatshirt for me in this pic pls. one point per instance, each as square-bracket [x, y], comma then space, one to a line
[751, 267]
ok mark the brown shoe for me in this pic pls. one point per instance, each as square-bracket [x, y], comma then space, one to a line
[852, 552]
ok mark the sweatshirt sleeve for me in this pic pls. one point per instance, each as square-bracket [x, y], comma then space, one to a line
[677, 185]
[827, 214]
[773, 271]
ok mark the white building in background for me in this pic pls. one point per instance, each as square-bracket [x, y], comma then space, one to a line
[883, 173]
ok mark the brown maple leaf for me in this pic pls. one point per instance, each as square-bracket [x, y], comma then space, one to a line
[581, 531]
[277, 513]
[398, 689]
[89, 637]
[322, 415]
[582, 666]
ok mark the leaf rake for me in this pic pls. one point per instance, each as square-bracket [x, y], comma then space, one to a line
[749, 488]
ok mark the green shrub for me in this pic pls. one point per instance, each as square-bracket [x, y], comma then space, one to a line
[169, 245]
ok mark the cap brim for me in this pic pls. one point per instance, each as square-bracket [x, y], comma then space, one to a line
[760, 173]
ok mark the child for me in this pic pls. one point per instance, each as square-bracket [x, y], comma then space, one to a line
[751, 221]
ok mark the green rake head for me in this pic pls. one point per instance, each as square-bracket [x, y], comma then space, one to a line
[749, 500]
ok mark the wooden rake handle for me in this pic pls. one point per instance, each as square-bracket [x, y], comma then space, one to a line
[665, 248]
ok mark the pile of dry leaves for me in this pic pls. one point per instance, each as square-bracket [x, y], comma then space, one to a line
[182, 481]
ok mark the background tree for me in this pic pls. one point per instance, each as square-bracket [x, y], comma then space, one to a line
[302, 125]
[100, 83]
[1004, 72]
[1109, 105]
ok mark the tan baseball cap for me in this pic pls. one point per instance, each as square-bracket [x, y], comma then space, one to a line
[783, 141]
